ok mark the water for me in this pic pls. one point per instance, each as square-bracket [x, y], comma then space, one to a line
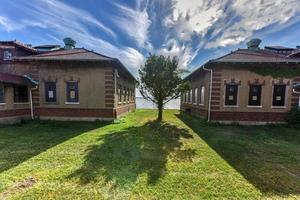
[143, 103]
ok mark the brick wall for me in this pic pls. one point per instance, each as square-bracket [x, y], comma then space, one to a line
[124, 109]
[194, 109]
[248, 116]
[15, 113]
[75, 112]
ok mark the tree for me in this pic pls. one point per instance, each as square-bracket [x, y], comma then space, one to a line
[160, 81]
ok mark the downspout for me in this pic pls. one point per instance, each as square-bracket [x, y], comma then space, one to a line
[210, 92]
[31, 102]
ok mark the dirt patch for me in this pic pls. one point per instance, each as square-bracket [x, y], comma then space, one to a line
[20, 186]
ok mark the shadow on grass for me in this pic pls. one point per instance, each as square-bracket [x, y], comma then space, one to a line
[19, 143]
[122, 156]
[267, 156]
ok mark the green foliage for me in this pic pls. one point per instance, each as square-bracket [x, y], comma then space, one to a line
[160, 80]
[276, 72]
[293, 117]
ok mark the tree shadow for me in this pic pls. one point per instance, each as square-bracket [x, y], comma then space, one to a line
[120, 157]
[267, 156]
[21, 142]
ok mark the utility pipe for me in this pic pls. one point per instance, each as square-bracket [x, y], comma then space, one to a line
[210, 91]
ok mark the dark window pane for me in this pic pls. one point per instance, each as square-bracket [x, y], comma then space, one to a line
[72, 92]
[231, 95]
[50, 91]
[254, 95]
[279, 95]
[2, 94]
[20, 94]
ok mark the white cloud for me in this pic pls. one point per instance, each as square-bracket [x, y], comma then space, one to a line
[133, 22]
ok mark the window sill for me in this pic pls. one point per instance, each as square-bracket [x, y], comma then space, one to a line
[72, 103]
[254, 106]
[228, 106]
[51, 103]
[21, 103]
[2, 104]
[201, 104]
[278, 107]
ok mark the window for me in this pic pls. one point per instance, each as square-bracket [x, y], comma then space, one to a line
[279, 95]
[231, 95]
[72, 92]
[20, 94]
[50, 91]
[7, 55]
[124, 94]
[195, 95]
[2, 93]
[128, 94]
[254, 95]
[202, 95]
[191, 96]
[120, 93]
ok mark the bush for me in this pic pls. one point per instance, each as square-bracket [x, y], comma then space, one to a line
[293, 117]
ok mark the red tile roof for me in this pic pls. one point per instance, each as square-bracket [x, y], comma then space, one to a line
[80, 54]
[15, 79]
[247, 55]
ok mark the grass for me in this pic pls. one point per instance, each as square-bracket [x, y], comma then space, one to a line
[137, 158]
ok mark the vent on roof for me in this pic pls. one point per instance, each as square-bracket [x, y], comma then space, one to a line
[254, 44]
[69, 43]
[298, 47]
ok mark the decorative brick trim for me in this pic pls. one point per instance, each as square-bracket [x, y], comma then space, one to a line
[109, 88]
[248, 116]
[74, 112]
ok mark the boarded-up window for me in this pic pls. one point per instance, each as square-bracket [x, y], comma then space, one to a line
[231, 93]
[195, 95]
[50, 91]
[254, 95]
[2, 100]
[120, 93]
[72, 92]
[202, 95]
[279, 95]
[20, 94]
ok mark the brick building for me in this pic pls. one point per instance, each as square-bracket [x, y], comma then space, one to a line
[247, 86]
[63, 84]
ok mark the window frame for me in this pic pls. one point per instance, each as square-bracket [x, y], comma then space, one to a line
[47, 93]
[285, 96]
[120, 94]
[5, 53]
[68, 98]
[237, 95]
[196, 95]
[249, 93]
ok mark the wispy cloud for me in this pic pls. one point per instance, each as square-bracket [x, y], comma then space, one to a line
[133, 22]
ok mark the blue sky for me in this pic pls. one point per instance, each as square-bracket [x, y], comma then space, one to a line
[193, 30]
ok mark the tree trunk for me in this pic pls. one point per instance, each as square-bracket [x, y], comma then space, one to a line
[160, 112]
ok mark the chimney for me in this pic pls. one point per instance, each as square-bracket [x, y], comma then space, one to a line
[298, 47]
[69, 43]
[254, 44]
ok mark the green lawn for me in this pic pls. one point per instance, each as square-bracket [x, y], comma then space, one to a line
[136, 158]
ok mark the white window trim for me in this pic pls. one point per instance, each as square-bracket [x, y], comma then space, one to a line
[237, 98]
[72, 103]
[285, 98]
[254, 106]
[2, 104]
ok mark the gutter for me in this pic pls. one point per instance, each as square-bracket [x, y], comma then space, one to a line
[210, 92]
